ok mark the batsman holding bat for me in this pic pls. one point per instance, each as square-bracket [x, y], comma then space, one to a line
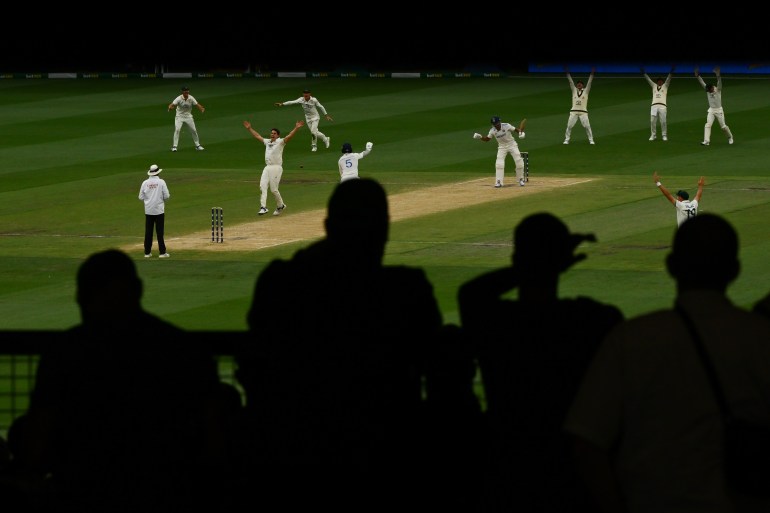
[506, 144]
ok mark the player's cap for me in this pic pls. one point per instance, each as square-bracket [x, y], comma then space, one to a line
[154, 170]
[495, 120]
[347, 148]
[683, 195]
[304, 91]
[185, 88]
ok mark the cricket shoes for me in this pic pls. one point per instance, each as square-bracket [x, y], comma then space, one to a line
[665, 138]
[730, 140]
[200, 148]
[262, 211]
[148, 255]
[591, 142]
[279, 210]
[314, 148]
[498, 184]
[329, 142]
[164, 255]
[652, 138]
[566, 141]
[521, 182]
[173, 148]
[705, 143]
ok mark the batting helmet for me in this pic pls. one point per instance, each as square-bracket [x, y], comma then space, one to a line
[347, 148]
[495, 120]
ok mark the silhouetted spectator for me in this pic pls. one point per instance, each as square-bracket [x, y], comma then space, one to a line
[532, 352]
[762, 306]
[646, 422]
[334, 373]
[123, 411]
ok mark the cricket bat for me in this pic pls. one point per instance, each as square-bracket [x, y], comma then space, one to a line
[522, 124]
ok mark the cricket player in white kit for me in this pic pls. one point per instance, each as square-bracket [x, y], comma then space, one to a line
[313, 110]
[183, 105]
[271, 174]
[658, 109]
[714, 97]
[348, 162]
[685, 208]
[506, 144]
[579, 109]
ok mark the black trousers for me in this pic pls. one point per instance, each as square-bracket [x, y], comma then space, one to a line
[156, 223]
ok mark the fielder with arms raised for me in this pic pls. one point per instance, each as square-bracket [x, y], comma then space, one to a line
[685, 208]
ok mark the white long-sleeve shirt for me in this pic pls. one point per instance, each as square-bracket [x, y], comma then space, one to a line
[715, 98]
[659, 94]
[580, 97]
[348, 164]
[312, 107]
[154, 193]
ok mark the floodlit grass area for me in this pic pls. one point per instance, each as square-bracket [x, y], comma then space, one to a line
[74, 153]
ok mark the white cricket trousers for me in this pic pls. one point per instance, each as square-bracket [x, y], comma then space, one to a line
[312, 125]
[719, 115]
[502, 153]
[190, 122]
[573, 118]
[271, 179]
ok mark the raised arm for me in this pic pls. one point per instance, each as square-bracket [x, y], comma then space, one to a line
[701, 183]
[590, 79]
[297, 126]
[670, 75]
[253, 132]
[656, 178]
[647, 77]
[700, 78]
[719, 78]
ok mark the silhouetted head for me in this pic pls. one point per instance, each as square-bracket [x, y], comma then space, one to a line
[544, 246]
[108, 285]
[684, 195]
[709, 88]
[704, 254]
[347, 148]
[496, 122]
[357, 217]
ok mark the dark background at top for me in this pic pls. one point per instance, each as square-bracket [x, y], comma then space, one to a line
[324, 37]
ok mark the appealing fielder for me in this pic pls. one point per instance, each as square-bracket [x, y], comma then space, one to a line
[506, 144]
[579, 109]
[685, 208]
[348, 162]
[714, 97]
[658, 109]
[183, 105]
[271, 174]
[311, 106]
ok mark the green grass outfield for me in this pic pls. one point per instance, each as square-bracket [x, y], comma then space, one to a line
[73, 154]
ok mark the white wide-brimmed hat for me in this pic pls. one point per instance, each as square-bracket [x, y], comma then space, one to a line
[154, 170]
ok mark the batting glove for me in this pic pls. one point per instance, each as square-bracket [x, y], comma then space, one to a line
[477, 136]
[369, 145]
[522, 135]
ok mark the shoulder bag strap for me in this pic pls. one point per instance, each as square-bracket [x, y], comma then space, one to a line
[704, 357]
